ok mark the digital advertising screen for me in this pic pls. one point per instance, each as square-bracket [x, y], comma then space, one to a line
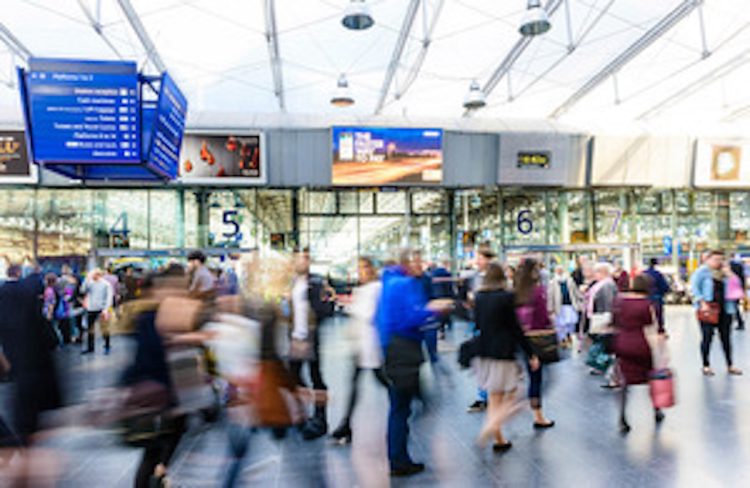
[382, 156]
[15, 166]
[223, 159]
[83, 111]
[722, 164]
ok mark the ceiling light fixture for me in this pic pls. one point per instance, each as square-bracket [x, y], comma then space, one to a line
[357, 16]
[535, 20]
[475, 99]
[342, 97]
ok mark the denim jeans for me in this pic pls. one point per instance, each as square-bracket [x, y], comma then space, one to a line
[398, 427]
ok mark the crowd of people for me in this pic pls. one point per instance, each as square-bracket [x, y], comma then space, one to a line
[207, 344]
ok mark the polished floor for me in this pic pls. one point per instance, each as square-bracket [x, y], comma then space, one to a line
[704, 441]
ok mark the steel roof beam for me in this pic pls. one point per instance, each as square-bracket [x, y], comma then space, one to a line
[403, 36]
[272, 39]
[15, 45]
[641, 44]
[142, 34]
[96, 24]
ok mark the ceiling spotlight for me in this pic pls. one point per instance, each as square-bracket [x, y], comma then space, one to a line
[475, 99]
[357, 16]
[535, 20]
[342, 97]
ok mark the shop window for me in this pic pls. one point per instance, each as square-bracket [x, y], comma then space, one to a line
[391, 202]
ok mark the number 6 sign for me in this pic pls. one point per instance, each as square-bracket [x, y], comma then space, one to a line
[523, 222]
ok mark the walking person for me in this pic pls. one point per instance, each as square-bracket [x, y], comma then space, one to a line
[564, 304]
[633, 312]
[500, 339]
[367, 353]
[738, 268]
[485, 256]
[99, 301]
[621, 276]
[531, 308]
[402, 312]
[601, 298]
[312, 302]
[659, 288]
[708, 287]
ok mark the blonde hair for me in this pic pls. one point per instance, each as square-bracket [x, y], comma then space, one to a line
[603, 268]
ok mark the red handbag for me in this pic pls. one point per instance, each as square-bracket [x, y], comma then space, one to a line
[661, 388]
[709, 314]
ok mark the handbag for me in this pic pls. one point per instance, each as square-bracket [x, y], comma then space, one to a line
[601, 323]
[661, 388]
[709, 314]
[468, 350]
[544, 344]
[273, 402]
[598, 358]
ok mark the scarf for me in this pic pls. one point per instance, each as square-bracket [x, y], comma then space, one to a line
[592, 294]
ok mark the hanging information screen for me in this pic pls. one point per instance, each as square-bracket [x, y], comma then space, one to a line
[168, 128]
[84, 111]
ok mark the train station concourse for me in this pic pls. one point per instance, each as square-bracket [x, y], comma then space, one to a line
[373, 243]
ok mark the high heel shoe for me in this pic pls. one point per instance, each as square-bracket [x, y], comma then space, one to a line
[624, 427]
[659, 416]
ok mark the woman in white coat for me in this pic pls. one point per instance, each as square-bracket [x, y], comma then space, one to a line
[366, 349]
[564, 304]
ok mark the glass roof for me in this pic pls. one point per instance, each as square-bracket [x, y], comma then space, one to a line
[218, 50]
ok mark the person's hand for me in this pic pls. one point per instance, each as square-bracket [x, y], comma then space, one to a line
[534, 363]
[440, 305]
[704, 306]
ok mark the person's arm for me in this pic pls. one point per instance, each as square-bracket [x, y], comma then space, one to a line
[110, 297]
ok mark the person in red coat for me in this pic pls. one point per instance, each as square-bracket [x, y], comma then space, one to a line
[621, 277]
[632, 313]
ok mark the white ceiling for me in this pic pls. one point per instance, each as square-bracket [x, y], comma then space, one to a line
[218, 52]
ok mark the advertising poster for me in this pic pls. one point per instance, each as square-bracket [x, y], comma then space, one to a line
[15, 166]
[722, 164]
[380, 156]
[223, 159]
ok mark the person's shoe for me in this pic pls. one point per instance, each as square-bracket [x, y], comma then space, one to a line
[708, 371]
[314, 428]
[500, 448]
[741, 327]
[87, 351]
[544, 425]
[106, 350]
[624, 427]
[734, 371]
[659, 416]
[477, 406]
[610, 386]
[407, 469]
[343, 434]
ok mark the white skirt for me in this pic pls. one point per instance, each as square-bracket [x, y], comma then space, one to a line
[497, 375]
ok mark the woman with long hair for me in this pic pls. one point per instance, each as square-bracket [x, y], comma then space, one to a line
[496, 367]
[633, 312]
[531, 309]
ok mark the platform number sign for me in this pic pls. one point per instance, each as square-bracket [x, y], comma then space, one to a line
[524, 224]
[231, 219]
[617, 215]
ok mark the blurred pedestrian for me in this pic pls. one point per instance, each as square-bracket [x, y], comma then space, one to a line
[738, 268]
[564, 304]
[531, 308]
[620, 276]
[367, 353]
[633, 312]
[312, 301]
[402, 312]
[500, 339]
[485, 256]
[599, 307]
[202, 282]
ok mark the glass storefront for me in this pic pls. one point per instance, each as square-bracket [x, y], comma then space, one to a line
[339, 225]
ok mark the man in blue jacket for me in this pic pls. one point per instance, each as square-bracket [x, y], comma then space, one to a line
[659, 288]
[402, 311]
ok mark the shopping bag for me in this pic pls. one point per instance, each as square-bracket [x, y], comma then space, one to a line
[661, 388]
[601, 323]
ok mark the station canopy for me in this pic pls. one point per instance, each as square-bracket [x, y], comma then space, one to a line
[674, 65]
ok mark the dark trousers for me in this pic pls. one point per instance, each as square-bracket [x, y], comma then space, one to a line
[354, 392]
[398, 426]
[535, 386]
[160, 451]
[92, 317]
[431, 340]
[725, 336]
[740, 316]
[239, 444]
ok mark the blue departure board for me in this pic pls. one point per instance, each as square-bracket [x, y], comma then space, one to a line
[84, 111]
[167, 129]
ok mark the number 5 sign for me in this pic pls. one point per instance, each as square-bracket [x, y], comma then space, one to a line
[524, 223]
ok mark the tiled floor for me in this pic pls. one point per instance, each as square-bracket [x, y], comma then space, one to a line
[704, 442]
